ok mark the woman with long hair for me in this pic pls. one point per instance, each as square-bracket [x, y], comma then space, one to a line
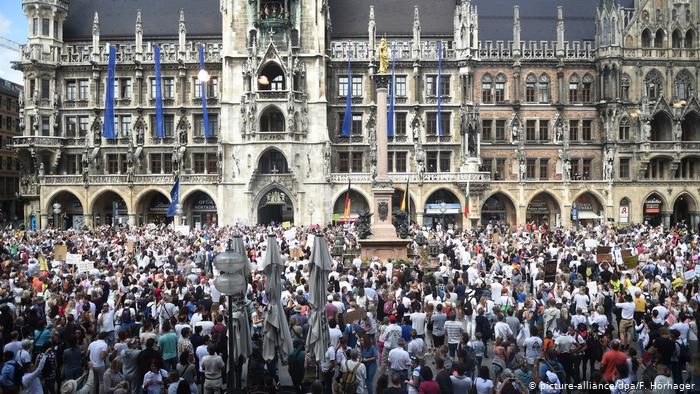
[368, 356]
[186, 370]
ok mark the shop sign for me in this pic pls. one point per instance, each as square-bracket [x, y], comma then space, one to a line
[205, 205]
[624, 214]
[652, 206]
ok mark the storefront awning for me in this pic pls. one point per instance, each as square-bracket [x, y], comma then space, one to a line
[588, 215]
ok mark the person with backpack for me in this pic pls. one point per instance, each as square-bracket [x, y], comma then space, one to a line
[11, 374]
[353, 374]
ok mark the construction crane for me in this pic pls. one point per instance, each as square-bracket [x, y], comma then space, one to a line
[9, 44]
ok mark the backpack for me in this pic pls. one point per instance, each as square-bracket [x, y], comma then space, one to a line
[469, 359]
[16, 378]
[348, 381]
[556, 368]
[183, 387]
[683, 352]
[126, 316]
[468, 307]
[608, 303]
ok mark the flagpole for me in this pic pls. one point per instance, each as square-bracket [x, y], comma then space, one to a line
[439, 101]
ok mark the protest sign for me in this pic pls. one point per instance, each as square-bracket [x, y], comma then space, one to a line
[73, 259]
[59, 252]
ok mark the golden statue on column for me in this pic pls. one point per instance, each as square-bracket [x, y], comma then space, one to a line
[383, 56]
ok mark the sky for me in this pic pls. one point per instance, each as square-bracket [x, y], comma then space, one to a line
[13, 26]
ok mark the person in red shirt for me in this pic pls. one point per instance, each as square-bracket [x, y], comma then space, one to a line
[611, 360]
[428, 385]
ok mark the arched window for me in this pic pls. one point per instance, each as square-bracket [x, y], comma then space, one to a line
[676, 39]
[272, 120]
[487, 89]
[659, 38]
[625, 87]
[653, 84]
[573, 88]
[543, 89]
[646, 38]
[684, 85]
[689, 39]
[587, 89]
[624, 134]
[273, 162]
[271, 78]
[530, 88]
[500, 88]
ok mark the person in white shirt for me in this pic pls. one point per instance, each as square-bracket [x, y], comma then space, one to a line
[418, 323]
[334, 332]
[354, 364]
[627, 322]
[31, 382]
[97, 351]
[154, 380]
[533, 347]
[501, 329]
[582, 299]
[417, 346]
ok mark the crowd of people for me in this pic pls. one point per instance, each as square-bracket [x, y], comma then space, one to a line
[497, 309]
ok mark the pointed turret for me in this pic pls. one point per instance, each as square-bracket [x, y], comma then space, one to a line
[372, 33]
[182, 32]
[416, 33]
[96, 36]
[516, 30]
[139, 33]
[560, 31]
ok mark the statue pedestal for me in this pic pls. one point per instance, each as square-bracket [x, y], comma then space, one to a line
[384, 243]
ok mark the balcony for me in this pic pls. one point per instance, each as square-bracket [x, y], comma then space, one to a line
[264, 95]
[434, 139]
[37, 142]
[259, 181]
[201, 140]
[115, 179]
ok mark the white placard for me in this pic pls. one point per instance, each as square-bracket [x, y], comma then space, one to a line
[184, 230]
[617, 254]
[590, 243]
[73, 258]
[85, 266]
[689, 274]
[290, 234]
[624, 214]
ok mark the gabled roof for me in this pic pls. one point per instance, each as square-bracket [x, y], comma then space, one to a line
[160, 18]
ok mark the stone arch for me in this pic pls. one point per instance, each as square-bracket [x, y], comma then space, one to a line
[284, 214]
[199, 206]
[689, 39]
[271, 77]
[684, 207]
[272, 161]
[684, 85]
[448, 214]
[151, 206]
[102, 207]
[659, 37]
[690, 126]
[71, 212]
[397, 197]
[359, 202]
[654, 84]
[654, 204]
[272, 120]
[499, 207]
[589, 205]
[677, 38]
[646, 38]
[662, 127]
[543, 208]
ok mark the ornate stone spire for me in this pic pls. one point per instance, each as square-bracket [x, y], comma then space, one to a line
[416, 33]
[371, 31]
[182, 31]
[139, 32]
[96, 35]
[516, 30]
[560, 31]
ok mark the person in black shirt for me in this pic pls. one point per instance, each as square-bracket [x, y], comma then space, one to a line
[395, 385]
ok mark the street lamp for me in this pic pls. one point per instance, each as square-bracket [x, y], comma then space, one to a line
[231, 282]
[443, 210]
[56, 214]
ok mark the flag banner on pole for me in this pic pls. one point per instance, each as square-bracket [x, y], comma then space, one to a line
[390, 117]
[174, 198]
[108, 128]
[159, 95]
[466, 203]
[205, 113]
[439, 99]
[346, 212]
[347, 119]
[405, 200]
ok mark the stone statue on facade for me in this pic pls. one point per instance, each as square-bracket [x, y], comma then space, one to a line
[35, 125]
[85, 161]
[559, 131]
[608, 165]
[566, 170]
[373, 172]
[522, 170]
[237, 165]
[647, 130]
[400, 222]
[383, 57]
[515, 132]
[220, 162]
[252, 113]
[471, 142]
[677, 131]
[42, 171]
[326, 159]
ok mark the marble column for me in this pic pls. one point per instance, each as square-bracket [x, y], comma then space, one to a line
[382, 190]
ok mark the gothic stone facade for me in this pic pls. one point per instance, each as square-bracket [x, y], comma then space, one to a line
[588, 114]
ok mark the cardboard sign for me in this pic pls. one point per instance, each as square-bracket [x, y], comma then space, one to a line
[59, 252]
[590, 243]
[603, 254]
[183, 230]
[130, 246]
[73, 259]
[550, 270]
[85, 266]
[286, 225]
[631, 262]
[354, 315]
[495, 238]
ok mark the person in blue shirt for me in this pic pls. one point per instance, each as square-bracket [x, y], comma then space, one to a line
[7, 375]
[406, 328]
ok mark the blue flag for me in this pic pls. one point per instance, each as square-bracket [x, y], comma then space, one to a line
[205, 113]
[390, 117]
[108, 127]
[439, 99]
[347, 119]
[174, 197]
[159, 96]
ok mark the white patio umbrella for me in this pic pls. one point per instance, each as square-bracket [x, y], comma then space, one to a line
[318, 339]
[276, 336]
